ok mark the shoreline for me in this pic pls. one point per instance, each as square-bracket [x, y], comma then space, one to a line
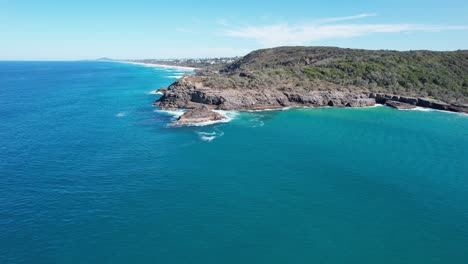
[164, 66]
[230, 115]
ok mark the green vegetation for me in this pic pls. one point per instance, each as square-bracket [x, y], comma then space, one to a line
[439, 75]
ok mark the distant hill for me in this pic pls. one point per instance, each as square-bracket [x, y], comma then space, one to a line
[105, 59]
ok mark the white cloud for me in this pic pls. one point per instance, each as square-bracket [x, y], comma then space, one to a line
[338, 19]
[323, 29]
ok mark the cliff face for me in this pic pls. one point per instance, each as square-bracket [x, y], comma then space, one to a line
[318, 76]
[189, 93]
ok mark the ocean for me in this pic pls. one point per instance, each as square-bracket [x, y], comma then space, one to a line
[90, 173]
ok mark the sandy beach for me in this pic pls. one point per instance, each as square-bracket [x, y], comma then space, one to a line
[183, 68]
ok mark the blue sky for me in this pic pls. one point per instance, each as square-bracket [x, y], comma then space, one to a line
[88, 29]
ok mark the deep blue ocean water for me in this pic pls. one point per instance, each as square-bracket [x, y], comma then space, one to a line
[89, 173]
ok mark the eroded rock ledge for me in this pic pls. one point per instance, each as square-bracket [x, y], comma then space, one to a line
[188, 95]
[405, 102]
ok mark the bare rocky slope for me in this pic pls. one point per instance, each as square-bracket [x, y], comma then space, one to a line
[321, 76]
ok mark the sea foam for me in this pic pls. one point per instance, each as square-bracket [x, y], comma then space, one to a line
[121, 114]
[174, 113]
[229, 115]
[154, 92]
[210, 136]
[175, 76]
[422, 109]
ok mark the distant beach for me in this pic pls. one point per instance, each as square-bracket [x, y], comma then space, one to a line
[184, 68]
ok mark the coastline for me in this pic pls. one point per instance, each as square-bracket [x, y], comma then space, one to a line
[229, 115]
[164, 66]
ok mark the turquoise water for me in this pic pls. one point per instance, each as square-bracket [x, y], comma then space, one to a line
[91, 174]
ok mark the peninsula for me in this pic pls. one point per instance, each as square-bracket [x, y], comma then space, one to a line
[325, 76]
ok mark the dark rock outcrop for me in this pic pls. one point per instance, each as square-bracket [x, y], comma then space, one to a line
[403, 102]
[198, 115]
[188, 94]
[399, 105]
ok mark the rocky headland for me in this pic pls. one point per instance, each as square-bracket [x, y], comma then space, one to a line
[321, 76]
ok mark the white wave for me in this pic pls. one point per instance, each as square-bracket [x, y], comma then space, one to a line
[229, 115]
[210, 136]
[373, 106]
[209, 139]
[421, 109]
[174, 113]
[208, 123]
[175, 76]
[206, 133]
[155, 92]
[418, 108]
[121, 114]
[272, 109]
